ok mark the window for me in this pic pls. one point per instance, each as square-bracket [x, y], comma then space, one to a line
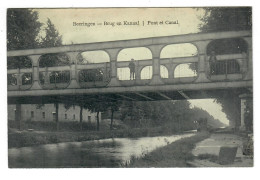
[32, 114]
[73, 116]
[89, 118]
[43, 115]
[66, 116]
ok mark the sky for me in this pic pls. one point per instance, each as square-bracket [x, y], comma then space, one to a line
[64, 18]
[102, 24]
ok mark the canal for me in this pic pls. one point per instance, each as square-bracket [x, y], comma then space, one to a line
[97, 153]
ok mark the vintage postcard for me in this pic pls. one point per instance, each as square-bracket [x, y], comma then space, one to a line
[130, 87]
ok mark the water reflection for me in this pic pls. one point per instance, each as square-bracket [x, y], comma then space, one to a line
[98, 153]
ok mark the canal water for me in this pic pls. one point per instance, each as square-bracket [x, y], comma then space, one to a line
[97, 153]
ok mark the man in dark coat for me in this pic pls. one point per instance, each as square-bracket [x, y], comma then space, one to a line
[132, 69]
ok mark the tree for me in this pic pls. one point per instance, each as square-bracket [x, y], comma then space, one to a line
[23, 28]
[23, 32]
[97, 106]
[69, 102]
[227, 19]
[52, 37]
[114, 106]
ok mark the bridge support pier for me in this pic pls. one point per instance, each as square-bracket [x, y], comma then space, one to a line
[246, 112]
[18, 115]
[202, 55]
[73, 70]
[36, 79]
[113, 66]
[156, 51]
[73, 80]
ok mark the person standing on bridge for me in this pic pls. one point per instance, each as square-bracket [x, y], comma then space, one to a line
[132, 69]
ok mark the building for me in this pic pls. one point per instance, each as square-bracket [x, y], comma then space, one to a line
[30, 112]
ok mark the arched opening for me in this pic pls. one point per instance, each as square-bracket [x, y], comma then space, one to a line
[164, 72]
[179, 50]
[185, 70]
[19, 62]
[137, 53]
[54, 59]
[147, 72]
[227, 46]
[54, 78]
[95, 74]
[92, 57]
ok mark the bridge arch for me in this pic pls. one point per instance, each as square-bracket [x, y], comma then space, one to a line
[19, 62]
[93, 57]
[137, 53]
[179, 50]
[54, 59]
[18, 78]
[227, 46]
[49, 76]
[146, 72]
[94, 68]
[226, 66]
[141, 56]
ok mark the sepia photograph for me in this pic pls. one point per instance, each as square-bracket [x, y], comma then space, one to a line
[168, 87]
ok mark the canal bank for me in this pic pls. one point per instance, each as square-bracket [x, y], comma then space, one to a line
[208, 152]
[33, 138]
[176, 154]
[112, 152]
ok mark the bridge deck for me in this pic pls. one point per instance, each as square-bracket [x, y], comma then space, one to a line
[234, 70]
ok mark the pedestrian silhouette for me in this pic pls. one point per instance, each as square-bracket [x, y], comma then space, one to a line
[132, 69]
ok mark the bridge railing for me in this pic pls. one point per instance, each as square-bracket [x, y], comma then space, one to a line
[54, 77]
[139, 66]
[93, 75]
[19, 79]
[172, 65]
[74, 75]
[227, 67]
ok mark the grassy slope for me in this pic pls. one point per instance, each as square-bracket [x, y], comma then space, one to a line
[175, 154]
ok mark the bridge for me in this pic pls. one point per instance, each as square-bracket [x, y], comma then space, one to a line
[37, 83]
